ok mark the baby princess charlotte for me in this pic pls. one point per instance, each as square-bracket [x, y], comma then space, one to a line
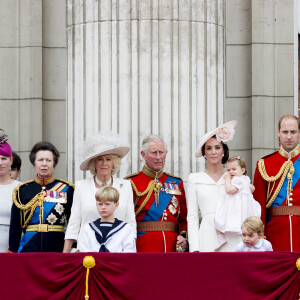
[238, 203]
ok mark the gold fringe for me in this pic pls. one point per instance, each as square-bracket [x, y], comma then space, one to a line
[283, 172]
[148, 190]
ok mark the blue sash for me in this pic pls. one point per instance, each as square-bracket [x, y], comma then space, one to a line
[48, 206]
[155, 212]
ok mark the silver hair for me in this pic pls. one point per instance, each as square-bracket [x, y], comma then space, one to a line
[150, 138]
[116, 166]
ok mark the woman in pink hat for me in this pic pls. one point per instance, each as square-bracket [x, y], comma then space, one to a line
[102, 154]
[7, 186]
[205, 189]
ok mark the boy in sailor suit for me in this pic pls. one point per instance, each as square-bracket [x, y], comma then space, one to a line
[108, 234]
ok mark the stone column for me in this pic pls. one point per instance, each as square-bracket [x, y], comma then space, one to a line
[33, 77]
[147, 66]
[21, 76]
[259, 73]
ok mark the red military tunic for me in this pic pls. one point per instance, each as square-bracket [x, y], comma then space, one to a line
[282, 228]
[168, 214]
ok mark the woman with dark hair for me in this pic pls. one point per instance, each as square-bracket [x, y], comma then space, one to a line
[41, 207]
[205, 189]
[7, 186]
[15, 169]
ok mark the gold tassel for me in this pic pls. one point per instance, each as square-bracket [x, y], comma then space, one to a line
[88, 262]
[298, 264]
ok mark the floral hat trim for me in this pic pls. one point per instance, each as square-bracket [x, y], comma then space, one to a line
[223, 133]
[3, 137]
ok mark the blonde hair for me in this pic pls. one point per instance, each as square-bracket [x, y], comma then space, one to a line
[107, 193]
[240, 160]
[116, 164]
[254, 225]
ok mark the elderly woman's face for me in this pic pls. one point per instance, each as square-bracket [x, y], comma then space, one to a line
[5, 163]
[104, 165]
[213, 151]
[44, 163]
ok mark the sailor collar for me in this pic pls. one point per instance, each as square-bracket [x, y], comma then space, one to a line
[291, 154]
[151, 173]
[44, 181]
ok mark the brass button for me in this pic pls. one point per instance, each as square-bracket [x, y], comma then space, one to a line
[291, 199]
[290, 204]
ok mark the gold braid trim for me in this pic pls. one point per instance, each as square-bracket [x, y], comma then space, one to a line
[148, 190]
[285, 168]
[29, 207]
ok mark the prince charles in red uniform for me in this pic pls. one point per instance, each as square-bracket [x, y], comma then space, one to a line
[160, 204]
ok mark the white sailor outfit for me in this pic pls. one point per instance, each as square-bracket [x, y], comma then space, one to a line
[108, 237]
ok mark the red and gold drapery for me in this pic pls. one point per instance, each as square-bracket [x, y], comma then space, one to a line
[265, 275]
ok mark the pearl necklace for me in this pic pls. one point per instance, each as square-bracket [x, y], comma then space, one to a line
[103, 183]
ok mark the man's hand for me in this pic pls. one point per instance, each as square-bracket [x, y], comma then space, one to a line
[181, 243]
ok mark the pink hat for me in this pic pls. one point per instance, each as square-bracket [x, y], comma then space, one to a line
[5, 149]
[223, 133]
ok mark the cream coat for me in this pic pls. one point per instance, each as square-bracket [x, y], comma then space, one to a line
[202, 195]
[84, 208]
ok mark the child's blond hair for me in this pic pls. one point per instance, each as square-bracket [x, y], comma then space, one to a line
[107, 193]
[254, 225]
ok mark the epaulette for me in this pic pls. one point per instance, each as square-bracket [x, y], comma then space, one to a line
[132, 175]
[269, 155]
[66, 182]
[173, 176]
[16, 189]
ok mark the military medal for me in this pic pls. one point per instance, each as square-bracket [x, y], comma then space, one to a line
[172, 188]
[56, 197]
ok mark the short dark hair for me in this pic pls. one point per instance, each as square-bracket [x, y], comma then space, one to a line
[44, 146]
[288, 116]
[17, 162]
[225, 148]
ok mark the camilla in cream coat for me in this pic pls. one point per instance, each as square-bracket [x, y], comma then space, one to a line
[204, 190]
[102, 154]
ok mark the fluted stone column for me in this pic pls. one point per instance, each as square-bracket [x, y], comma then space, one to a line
[140, 67]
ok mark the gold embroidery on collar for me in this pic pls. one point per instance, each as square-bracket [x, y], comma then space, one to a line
[44, 181]
[291, 154]
[153, 174]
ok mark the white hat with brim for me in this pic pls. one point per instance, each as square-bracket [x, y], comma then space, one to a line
[224, 134]
[103, 143]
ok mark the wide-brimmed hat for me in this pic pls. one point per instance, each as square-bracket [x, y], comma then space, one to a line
[223, 133]
[5, 149]
[102, 143]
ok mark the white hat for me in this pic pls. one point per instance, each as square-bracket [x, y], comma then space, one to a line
[102, 143]
[224, 134]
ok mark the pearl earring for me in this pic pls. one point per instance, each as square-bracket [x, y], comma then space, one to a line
[223, 155]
